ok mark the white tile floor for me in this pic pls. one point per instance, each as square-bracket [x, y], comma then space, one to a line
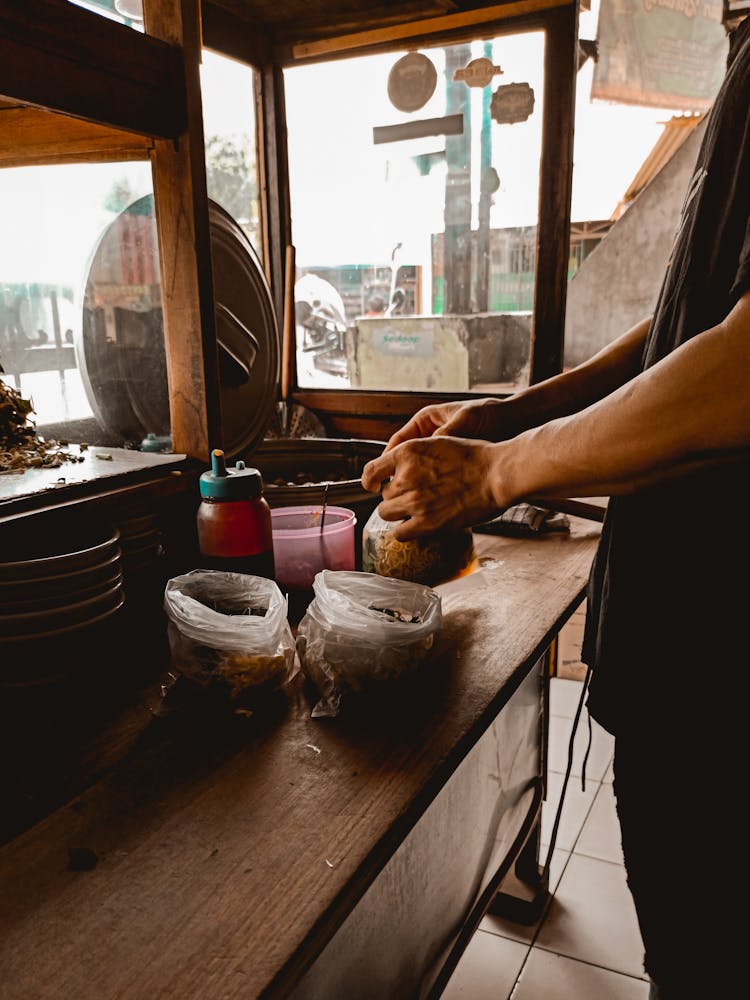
[587, 945]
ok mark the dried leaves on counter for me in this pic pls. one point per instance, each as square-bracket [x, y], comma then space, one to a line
[21, 447]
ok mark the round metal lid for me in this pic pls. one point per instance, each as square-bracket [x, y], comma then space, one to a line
[247, 334]
[120, 347]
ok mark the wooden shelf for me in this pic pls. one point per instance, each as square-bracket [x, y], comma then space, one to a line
[64, 58]
[32, 137]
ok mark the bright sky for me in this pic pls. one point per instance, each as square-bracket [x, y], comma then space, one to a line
[611, 140]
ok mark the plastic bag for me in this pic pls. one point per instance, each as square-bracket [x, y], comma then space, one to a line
[429, 560]
[229, 631]
[361, 629]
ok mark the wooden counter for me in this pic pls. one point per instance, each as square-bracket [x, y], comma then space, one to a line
[223, 855]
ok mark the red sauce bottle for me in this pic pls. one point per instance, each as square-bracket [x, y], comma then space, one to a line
[234, 520]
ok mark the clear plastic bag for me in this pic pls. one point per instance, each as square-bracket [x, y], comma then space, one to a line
[360, 630]
[429, 560]
[229, 632]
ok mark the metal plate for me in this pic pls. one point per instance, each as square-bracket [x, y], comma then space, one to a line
[120, 347]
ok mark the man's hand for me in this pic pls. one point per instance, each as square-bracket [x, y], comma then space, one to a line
[441, 482]
[466, 419]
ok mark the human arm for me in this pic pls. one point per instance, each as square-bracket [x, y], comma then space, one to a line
[491, 419]
[687, 410]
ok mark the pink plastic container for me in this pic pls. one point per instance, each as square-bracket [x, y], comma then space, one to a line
[301, 549]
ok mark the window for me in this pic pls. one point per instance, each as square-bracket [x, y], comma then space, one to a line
[230, 140]
[415, 230]
[77, 288]
[129, 12]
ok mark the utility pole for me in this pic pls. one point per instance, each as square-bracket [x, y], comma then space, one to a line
[487, 186]
[457, 256]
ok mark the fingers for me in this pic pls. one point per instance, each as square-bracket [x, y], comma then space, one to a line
[463, 423]
[450, 428]
[404, 434]
[405, 530]
[423, 424]
[377, 471]
[411, 430]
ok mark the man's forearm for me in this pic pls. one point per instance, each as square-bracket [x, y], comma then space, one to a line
[688, 409]
[574, 390]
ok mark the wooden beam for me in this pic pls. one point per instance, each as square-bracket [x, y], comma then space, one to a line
[402, 33]
[361, 414]
[181, 203]
[58, 56]
[234, 37]
[30, 137]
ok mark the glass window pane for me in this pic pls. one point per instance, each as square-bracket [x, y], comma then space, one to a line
[230, 141]
[416, 239]
[129, 12]
[79, 293]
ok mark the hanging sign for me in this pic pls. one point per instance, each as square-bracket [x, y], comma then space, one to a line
[512, 103]
[478, 73]
[411, 82]
[660, 53]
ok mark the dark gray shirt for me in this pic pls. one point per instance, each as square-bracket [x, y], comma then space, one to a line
[668, 605]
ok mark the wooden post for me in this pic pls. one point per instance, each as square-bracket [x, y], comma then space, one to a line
[272, 151]
[181, 202]
[555, 186]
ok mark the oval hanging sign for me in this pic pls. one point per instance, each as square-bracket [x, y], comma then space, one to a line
[477, 73]
[512, 103]
[411, 82]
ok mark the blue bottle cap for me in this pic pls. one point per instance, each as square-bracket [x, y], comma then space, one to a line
[222, 483]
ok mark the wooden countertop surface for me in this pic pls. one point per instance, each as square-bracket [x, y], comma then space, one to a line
[227, 852]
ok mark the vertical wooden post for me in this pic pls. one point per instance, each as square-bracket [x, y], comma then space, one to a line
[275, 179]
[553, 234]
[181, 201]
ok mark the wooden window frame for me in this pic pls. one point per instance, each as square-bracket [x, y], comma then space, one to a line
[376, 414]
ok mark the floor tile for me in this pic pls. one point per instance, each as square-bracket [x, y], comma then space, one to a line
[574, 812]
[488, 969]
[600, 836]
[602, 747]
[592, 917]
[546, 976]
[522, 932]
[564, 696]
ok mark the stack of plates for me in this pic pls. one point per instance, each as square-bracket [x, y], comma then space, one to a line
[141, 542]
[51, 602]
[143, 565]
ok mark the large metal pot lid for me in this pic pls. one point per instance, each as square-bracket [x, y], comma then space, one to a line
[120, 347]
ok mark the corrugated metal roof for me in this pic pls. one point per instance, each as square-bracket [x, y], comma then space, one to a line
[674, 133]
